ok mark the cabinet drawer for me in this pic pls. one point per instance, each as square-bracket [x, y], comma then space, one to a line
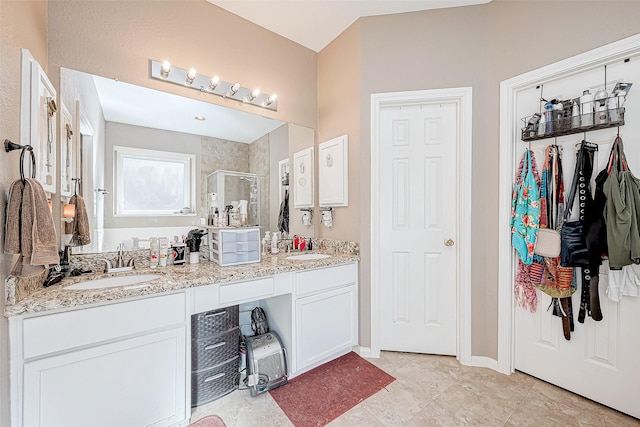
[213, 322]
[308, 282]
[211, 351]
[246, 291]
[61, 331]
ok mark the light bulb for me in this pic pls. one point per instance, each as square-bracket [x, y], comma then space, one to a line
[213, 82]
[253, 94]
[191, 75]
[165, 69]
[272, 99]
[235, 88]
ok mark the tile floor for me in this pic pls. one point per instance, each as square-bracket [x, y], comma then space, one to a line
[437, 391]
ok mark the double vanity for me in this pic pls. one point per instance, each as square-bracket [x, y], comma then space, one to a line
[114, 349]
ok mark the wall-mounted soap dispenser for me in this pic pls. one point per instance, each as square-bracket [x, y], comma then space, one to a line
[327, 217]
[307, 215]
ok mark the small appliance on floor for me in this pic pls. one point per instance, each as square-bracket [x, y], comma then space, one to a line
[266, 363]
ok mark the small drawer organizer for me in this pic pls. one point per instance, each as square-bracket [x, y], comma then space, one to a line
[231, 246]
[214, 354]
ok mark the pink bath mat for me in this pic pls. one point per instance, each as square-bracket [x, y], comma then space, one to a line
[323, 394]
[209, 421]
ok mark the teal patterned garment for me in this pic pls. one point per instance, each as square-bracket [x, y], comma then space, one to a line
[525, 209]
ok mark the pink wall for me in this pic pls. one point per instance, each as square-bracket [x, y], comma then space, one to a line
[476, 46]
[339, 77]
[22, 25]
[117, 39]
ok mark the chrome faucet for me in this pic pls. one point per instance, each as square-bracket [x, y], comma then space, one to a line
[120, 259]
[120, 264]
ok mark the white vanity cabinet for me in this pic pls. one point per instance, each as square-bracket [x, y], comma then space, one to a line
[326, 308]
[121, 364]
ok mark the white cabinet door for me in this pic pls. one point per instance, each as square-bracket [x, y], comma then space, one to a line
[302, 176]
[135, 382]
[326, 325]
[333, 172]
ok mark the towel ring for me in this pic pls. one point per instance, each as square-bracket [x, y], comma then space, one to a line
[10, 146]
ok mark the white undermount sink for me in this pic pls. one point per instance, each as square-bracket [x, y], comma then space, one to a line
[307, 257]
[111, 282]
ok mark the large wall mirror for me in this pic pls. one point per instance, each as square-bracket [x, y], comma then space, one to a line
[121, 129]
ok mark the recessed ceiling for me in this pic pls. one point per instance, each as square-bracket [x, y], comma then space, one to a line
[315, 23]
[140, 106]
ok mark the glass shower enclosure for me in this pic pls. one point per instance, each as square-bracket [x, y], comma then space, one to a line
[231, 190]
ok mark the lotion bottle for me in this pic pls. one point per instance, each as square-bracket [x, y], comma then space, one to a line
[154, 248]
[163, 244]
[274, 243]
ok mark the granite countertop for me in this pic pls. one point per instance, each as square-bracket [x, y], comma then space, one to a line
[172, 278]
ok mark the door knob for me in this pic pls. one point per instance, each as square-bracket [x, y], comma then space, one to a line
[449, 242]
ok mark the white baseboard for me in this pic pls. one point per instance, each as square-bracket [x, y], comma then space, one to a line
[484, 362]
[366, 352]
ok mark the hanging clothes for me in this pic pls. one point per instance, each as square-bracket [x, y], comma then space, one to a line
[556, 281]
[622, 212]
[622, 282]
[525, 217]
[525, 208]
[283, 217]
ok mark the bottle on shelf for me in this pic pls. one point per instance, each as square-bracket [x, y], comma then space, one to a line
[548, 115]
[615, 104]
[542, 126]
[601, 116]
[586, 109]
[575, 115]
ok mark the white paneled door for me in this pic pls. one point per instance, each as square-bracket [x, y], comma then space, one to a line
[418, 214]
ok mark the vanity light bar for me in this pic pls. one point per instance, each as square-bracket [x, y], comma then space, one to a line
[213, 85]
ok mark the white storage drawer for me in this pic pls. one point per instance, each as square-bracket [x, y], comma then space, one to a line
[238, 257]
[312, 281]
[62, 331]
[230, 247]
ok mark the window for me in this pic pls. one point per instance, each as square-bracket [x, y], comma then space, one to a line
[150, 182]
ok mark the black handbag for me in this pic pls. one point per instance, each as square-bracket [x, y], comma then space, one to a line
[573, 248]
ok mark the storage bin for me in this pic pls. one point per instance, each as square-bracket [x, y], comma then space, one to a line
[211, 351]
[211, 384]
[214, 322]
[232, 246]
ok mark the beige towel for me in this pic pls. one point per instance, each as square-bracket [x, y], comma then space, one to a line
[30, 228]
[79, 227]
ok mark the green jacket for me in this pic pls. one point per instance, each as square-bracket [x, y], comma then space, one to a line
[622, 216]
